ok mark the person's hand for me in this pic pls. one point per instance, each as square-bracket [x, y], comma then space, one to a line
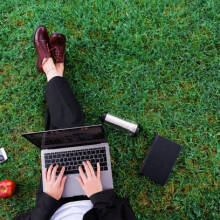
[54, 186]
[91, 183]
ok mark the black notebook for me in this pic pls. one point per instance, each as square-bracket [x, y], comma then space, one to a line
[160, 159]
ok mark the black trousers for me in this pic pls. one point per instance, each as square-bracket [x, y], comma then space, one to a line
[64, 111]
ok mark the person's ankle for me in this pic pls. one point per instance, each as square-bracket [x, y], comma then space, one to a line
[51, 76]
[49, 68]
[47, 64]
[60, 68]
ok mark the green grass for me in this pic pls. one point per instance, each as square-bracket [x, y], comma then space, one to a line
[154, 62]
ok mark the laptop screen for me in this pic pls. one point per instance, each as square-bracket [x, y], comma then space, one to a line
[69, 136]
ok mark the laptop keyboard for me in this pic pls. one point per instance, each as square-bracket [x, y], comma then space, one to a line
[71, 160]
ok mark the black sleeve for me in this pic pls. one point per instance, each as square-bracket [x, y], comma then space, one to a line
[109, 207]
[44, 209]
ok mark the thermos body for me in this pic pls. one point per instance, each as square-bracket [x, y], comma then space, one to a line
[131, 127]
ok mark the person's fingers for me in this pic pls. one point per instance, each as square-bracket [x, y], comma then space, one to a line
[88, 172]
[82, 174]
[79, 179]
[91, 168]
[53, 175]
[59, 178]
[63, 183]
[45, 174]
[49, 172]
[98, 170]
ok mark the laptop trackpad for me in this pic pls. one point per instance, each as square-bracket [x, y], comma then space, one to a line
[73, 187]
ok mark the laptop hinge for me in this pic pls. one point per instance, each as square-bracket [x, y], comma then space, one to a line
[83, 143]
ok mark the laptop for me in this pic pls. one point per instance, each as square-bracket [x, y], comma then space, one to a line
[70, 147]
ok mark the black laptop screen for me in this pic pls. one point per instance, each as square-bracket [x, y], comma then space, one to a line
[65, 137]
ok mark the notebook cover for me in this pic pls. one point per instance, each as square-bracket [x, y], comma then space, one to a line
[160, 159]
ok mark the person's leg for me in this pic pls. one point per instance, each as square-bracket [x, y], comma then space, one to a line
[63, 108]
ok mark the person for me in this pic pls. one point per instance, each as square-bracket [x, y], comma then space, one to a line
[64, 111]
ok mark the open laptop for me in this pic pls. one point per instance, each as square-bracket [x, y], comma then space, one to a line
[70, 147]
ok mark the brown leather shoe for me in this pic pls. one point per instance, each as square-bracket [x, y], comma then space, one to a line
[57, 47]
[41, 42]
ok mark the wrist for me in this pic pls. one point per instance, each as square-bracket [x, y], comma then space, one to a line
[95, 193]
[51, 195]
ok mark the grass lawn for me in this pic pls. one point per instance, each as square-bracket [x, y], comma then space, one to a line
[154, 62]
